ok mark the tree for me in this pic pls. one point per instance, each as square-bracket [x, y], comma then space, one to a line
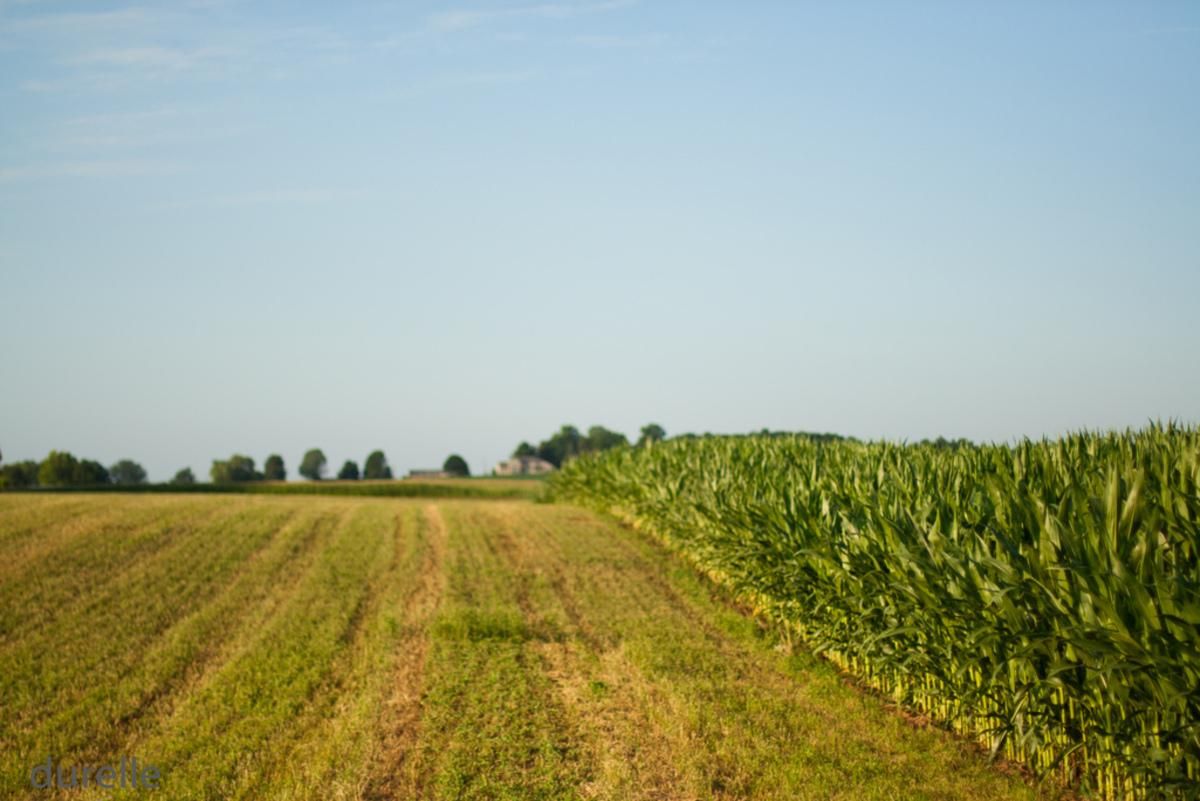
[184, 476]
[941, 443]
[127, 473]
[349, 471]
[61, 469]
[219, 473]
[652, 432]
[566, 444]
[273, 469]
[57, 469]
[600, 438]
[89, 473]
[376, 466]
[19, 475]
[233, 470]
[456, 465]
[313, 465]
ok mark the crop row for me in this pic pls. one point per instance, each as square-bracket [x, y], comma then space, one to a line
[1042, 597]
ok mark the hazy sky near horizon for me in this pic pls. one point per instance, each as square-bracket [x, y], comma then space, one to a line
[437, 227]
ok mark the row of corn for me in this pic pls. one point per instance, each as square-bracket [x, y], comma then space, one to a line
[1042, 597]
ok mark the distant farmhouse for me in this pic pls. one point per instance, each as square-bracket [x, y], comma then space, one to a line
[429, 474]
[523, 466]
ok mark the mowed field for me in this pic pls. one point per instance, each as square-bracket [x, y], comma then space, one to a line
[272, 647]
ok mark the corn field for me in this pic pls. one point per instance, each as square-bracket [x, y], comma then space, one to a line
[1043, 598]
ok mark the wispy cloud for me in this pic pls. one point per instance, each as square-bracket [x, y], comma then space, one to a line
[139, 129]
[457, 20]
[87, 169]
[153, 57]
[102, 80]
[462, 19]
[487, 78]
[622, 42]
[307, 38]
[77, 21]
[442, 84]
[126, 118]
[400, 40]
[291, 196]
[108, 69]
[278, 196]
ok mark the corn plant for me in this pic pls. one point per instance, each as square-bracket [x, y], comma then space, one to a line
[1043, 597]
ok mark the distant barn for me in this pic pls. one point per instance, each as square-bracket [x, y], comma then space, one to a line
[523, 466]
[429, 474]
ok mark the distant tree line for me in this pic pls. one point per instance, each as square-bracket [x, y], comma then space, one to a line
[234, 469]
[941, 443]
[62, 469]
[569, 442]
[313, 467]
[374, 468]
[815, 436]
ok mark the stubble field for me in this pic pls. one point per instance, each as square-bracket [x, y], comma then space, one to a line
[278, 647]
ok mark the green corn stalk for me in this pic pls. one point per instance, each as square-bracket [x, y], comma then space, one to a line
[1043, 598]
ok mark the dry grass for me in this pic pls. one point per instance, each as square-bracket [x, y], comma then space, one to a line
[344, 648]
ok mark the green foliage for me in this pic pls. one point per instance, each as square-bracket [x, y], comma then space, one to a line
[376, 466]
[569, 443]
[57, 469]
[815, 436]
[456, 465]
[89, 473]
[312, 466]
[948, 444]
[349, 471]
[235, 469]
[273, 469]
[61, 469]
[476, 625]
[184, 477]
[19, 475]
[127, 473]
[1044, 597]
[652, 432]
[566, 444]
[531, 488]
[600, 438]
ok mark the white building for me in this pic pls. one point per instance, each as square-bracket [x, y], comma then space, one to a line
[429, 474]
[523, 466]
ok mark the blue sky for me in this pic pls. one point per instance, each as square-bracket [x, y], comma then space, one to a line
[440, 226]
